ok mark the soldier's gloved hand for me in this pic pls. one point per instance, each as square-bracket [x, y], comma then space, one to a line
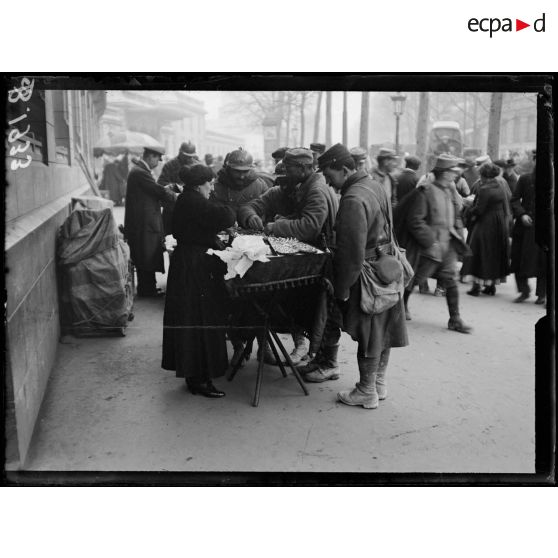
[255, 222]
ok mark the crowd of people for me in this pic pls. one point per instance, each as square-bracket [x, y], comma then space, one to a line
[335, 200]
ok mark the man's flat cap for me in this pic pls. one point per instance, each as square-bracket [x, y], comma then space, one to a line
[358, 153]
[298, 156]
[386, 153]
[318, 147]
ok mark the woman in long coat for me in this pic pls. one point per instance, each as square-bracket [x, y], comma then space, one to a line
[362, 225]
[195, 287]
[488, 240]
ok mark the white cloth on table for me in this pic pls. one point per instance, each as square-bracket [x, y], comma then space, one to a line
[240, 256]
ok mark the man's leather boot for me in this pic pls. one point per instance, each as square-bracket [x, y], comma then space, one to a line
[364, 392]
[328, 368]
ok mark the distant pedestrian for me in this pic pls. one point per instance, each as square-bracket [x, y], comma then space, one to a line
[360, 156]
[508, 172]
[471, 172]
[488, 236]
[170, 176]
[429, 226]
[527, 258]
[382, 172]
[408, 179]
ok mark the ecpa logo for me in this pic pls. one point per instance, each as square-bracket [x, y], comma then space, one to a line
[494, 24]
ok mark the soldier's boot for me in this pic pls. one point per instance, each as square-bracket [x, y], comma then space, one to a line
[312, 364]
[328, 368]
[455, 322]
[300, 351]
[364, 392]
[381, 385]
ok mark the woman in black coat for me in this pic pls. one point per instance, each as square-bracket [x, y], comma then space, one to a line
[488, 240]
[195, 286]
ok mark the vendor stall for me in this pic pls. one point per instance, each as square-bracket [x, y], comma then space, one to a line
[287, 286]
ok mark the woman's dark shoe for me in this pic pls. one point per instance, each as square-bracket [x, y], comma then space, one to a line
[541, 300]
[475, 291]
[207, 390]
[489, 290]
[522, 297]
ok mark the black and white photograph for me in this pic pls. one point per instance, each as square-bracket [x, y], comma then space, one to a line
[305, 276]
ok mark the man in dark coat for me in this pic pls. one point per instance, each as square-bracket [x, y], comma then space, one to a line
[408, 179]
[527, 258]
[169, 176]
[360, 156]
[362, 227]
[304, 207]
[186, 156]
[429, 227]
[508, 172]
[237, 182]
[114, 179]
[471, 172]
[383, 173]
[143, 223]
[317, 149]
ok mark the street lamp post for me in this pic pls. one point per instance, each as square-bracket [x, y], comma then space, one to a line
[398, 108]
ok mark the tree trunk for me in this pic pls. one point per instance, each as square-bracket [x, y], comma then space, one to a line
[475, 120]
[422, 128]
[302, 105]
[317, 117]
[494, 120]
[288, 126]
[464, 118]
[345, 124]
[328, 119]
[364, 116]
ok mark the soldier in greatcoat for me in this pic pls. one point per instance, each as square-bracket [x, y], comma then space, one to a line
[362, 226]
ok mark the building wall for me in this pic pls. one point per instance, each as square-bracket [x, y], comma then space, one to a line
[38, 199]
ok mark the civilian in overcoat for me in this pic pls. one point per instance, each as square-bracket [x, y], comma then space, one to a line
[143, 223]
[527, 258]
[195, 294]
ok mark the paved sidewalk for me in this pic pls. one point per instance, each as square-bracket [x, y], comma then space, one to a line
[457, 403]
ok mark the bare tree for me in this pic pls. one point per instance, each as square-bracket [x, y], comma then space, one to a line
[422, 126]
[364, 117]
[317, 117]
[345, 123]
[328, 118]
[494, 120]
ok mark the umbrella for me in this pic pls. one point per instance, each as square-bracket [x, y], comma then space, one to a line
[125, 141]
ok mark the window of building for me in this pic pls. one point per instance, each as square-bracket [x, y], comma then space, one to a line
[32, 140]
[61, 126]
